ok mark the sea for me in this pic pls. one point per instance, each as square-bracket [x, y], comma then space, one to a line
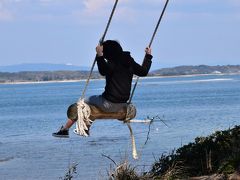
[182, 108]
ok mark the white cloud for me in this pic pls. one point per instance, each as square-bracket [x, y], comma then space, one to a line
[94, 10]
[204, 2]
[48, 2]
[94, 6]
[5, 14]
[97, 9]
[98, 6]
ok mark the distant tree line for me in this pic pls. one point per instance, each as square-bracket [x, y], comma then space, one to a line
[201, 69]
[36, 76]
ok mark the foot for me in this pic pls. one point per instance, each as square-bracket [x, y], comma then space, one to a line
[88, 130]
[62, 133]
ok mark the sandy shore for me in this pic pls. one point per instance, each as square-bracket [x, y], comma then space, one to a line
[43, 82]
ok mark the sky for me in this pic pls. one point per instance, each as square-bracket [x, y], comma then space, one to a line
[192, 32]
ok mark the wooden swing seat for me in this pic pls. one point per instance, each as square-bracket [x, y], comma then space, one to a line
[97, 113]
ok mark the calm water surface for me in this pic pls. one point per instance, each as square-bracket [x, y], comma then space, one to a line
[29, 113]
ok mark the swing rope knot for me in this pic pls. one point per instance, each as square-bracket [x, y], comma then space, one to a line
[131, 112]
[83, 121]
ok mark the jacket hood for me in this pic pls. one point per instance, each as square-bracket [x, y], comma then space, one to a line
[112, 51]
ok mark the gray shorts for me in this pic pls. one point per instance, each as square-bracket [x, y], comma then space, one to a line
[103, 104]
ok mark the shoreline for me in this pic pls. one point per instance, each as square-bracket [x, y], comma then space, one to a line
[46, 82]
[82, 80]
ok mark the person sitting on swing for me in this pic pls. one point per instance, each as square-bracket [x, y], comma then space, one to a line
[118, 67]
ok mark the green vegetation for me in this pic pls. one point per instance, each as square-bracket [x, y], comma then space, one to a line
[38, 76]
[218, 153]
[201, 69]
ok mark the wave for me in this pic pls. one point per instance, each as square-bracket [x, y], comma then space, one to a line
[6, 159]
[96, 89]
[15, 135]
[186, 81]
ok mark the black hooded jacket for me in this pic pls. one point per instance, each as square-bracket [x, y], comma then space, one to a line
[119, 74]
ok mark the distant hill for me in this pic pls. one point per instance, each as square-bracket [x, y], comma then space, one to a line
[42, 67]
[201, 69]
[40, 76]
[37, 75]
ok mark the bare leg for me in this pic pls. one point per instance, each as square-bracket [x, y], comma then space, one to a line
[69, 124]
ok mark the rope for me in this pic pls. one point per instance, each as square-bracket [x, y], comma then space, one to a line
[134, 150]
[154, 33]
[159, 20]
[100, 42]
[84, 113]
[83, 121]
